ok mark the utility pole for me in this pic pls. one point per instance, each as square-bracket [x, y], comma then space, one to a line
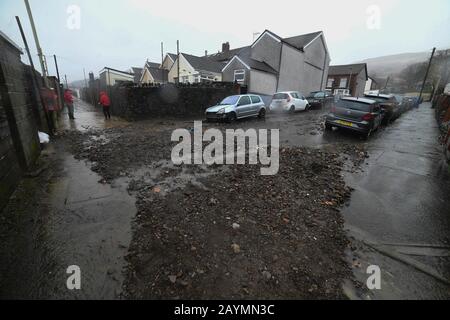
[426, 73]
[387, 81]
[85, 83]
[33, 76]
[178, 61]
[36, 40]
[162, 53]
[67, 85]
[57, 70]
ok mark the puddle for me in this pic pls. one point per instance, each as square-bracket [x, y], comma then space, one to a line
[90, 227]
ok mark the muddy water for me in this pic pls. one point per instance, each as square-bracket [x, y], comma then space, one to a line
[90, 226]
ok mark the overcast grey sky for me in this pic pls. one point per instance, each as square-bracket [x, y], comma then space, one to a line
[124, 33]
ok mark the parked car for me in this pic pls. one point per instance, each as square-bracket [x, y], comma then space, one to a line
[237, 107]
[319, 98]
[388, 103]
[288, 101]
[358, 114]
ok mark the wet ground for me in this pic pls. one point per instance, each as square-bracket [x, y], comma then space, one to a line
[397, 217]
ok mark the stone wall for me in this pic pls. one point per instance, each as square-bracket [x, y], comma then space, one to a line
[19, 119]
[169, 100]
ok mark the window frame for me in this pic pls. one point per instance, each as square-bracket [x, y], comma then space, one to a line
[240, 72]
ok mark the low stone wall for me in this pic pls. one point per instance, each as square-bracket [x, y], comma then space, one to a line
[169, 100]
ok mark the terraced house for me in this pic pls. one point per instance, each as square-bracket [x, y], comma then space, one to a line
[274, 64]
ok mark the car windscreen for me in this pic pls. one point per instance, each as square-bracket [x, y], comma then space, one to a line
[230, 100]
[279, 96]
[353, 105]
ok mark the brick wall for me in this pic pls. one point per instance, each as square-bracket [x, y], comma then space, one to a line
[19, 143]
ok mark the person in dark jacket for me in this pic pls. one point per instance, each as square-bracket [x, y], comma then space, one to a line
[68, 100]
[105, 103]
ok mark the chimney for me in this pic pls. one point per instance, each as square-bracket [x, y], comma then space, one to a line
[225, 47]
[206, 53]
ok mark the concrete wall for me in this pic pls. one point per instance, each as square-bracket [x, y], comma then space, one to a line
[317, 62]
[360, 84]
[267, 50]
[19, 143]
[291, 71]
[262, 82]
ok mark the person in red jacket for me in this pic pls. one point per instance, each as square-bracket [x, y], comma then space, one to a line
[105, 103]
[68, 100]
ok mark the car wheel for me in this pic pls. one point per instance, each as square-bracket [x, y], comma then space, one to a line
[262, 114]
[328, 127]
[231, 117]
[307, 107]
[292, 109]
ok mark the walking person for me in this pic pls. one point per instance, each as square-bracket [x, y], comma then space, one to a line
[105, 103]
[68, 100]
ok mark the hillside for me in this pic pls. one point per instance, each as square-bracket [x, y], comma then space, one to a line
[390, 65]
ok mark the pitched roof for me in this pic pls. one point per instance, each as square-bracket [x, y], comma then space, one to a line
[245, 56]
[204, 63]
[302, 40]
[347, 69]
[227, 55]
[137, 73]
[159, 74]
[149, 64]
[173, 56]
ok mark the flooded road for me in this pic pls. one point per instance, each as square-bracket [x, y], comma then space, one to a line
[397, 218]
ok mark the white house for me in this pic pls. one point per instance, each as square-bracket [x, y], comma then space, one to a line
[192, 69]
[110, 77]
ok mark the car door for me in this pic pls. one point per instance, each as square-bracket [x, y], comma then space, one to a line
[302, 101]
[256, 102]
[296, 100]
[243, 107]
[378, 115]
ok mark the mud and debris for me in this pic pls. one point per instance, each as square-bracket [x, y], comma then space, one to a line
[226, 231]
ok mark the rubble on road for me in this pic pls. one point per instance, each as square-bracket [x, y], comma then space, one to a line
[233, 233]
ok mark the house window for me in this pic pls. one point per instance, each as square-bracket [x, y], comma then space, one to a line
[330, 82]
[343, 83]
[185, 79]
[239, 75]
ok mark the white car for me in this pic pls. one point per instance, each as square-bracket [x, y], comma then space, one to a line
[289, 101]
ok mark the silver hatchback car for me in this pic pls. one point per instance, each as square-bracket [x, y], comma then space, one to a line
[237, 107]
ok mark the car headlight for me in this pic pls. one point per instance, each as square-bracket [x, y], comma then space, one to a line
[221, 111]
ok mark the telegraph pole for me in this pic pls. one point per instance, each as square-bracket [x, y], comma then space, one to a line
[162, 53]
[67, 85]
[426, 73]
[33, 76]
[56, 66]
[36, 40]
[178, 61]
